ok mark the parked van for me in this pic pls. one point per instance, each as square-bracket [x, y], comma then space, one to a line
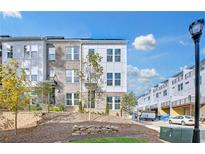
[148, 116]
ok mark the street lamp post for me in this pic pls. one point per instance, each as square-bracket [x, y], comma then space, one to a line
[196, 29]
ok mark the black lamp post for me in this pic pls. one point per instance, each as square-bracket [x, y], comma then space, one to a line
[196, 29]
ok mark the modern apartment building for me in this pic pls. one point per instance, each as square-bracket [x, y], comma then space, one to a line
[176, 95]
[59, 60]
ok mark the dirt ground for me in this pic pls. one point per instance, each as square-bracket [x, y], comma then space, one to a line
[25, 119]
[57, 127]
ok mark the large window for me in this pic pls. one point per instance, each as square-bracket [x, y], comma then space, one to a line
[72, 76]
[10, 52]
[68, 75]
[113, 102]
[76, 53]
[109, 102]
[109, 55]
[165, 93]
[72, 99]
[69, 53]
[117, 55]
[26, 51]
[91, 51]
[72, 53]
[109, 79]
[117, 102]
[52, 53]
[180, 87]
[69, 99]
[34, 54]
[76, 76]
[117, 79]
[76, 99]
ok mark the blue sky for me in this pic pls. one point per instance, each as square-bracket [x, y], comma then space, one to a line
[162, 43]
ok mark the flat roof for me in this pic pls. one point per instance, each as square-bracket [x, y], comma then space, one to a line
[61, 38]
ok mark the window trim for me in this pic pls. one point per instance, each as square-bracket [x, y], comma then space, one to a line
[118, 79]
[109, 55]
[110, 79]
[118, 55]
[72, 53]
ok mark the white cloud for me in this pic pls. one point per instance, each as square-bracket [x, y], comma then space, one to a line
[13, 14]
[140, 80]
[142, 73]
[145, 42]
[183, 43]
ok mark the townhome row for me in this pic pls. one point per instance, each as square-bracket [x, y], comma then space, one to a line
[176, 95]
[59, 60]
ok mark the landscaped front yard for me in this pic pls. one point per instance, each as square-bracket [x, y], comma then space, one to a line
[58, 127]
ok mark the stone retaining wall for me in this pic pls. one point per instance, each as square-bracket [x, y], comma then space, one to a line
[91, 129]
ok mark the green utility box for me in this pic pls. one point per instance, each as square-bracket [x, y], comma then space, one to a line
[176, 134]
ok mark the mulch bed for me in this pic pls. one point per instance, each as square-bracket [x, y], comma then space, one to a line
[47, 132]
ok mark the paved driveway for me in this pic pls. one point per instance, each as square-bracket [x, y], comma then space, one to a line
[157, 124]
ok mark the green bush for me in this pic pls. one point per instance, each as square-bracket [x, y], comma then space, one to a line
[56, 108]
[35, 108]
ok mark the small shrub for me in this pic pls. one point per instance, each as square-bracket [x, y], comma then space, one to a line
[35, 107]
[56, 108]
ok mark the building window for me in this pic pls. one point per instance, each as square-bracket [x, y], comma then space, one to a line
[117, 55]
[76, 99]
[72, 76]
[72, 53]
[117, 102]
[10, 52]
[33, 54]
[69, 99]
[109, 79]
[117, 79]
[76, 76]
[52, 53]
[68, 75]
[165, 93]
[109, 55]
[148, 98]
[180, 87]
[34, 77]
[76, 53]
[109, 102]
[26, 51]
[157, 95]
[91, 51]
[68, 53]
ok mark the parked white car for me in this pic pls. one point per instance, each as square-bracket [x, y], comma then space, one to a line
[182, 120]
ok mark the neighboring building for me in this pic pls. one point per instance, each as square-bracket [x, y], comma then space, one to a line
[176, 95]
[59, 61]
